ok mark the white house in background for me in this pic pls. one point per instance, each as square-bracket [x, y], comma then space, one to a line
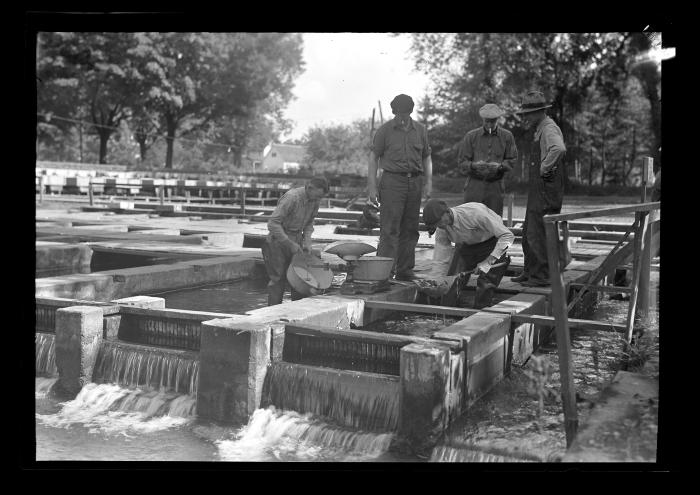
[285, 158]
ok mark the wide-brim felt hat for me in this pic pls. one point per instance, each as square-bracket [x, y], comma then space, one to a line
[533, 101]
[490, 111]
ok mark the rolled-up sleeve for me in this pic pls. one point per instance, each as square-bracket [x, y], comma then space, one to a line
[552, 147]
[504, 237]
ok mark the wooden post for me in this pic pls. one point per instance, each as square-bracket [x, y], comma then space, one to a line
[243, 193]
[559, 311]
[41, 188]
[210, 192]
[646, 254]
[161, 194]
[90, 192]
[639, 238]
[187, 195]
[511, 200]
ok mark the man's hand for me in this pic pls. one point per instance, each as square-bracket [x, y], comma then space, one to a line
[547, 176]
[296, 248]
[485, 265]
[427, 190]
[372, 195]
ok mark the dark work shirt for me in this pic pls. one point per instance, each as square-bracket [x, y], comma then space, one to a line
[479, 145]
[399, 150]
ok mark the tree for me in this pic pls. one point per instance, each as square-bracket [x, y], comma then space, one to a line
[87, 75]
[338, 149]
[471, 69]
[199, 80]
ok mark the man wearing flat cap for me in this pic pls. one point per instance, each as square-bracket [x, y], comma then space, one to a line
[481, 243]
[546, 187]
[486, 154]
[400, 148]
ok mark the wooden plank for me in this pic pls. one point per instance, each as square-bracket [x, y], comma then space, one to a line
[638, 247]
[560, 312]
[602, 288]
[603, 212]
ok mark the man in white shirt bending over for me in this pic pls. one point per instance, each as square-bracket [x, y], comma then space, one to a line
[481, 243]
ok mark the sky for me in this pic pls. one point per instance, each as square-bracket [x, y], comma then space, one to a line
[346, 74]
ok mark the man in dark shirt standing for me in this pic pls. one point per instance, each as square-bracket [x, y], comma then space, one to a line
[400, 148]
[290, 227]
[486, 154]
[546, 187]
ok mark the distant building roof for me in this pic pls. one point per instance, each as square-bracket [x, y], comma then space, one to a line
[289, 152]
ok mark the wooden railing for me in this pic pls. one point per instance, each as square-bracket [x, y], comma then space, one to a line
[554, 225]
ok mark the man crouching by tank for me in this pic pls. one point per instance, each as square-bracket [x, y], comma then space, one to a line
[481, 243]
[290, 227]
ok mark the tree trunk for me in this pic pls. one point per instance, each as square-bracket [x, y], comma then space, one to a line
[590, 169]
[602, 170]
[171, 126]
[104, 134]
[142, 148]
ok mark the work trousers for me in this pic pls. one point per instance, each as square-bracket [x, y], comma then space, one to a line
[544, 198]
[467, 256]
[278, 257]
[488, 193]
[399, 215]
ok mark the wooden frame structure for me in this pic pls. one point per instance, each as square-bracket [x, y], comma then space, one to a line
[642, 252]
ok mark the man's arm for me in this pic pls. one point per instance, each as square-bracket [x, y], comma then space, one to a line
[274, 224]
[553, 146]
[504, 237]
[428, 172]
[372, 177]
[376, 151]
[510, 154]
[308, 229]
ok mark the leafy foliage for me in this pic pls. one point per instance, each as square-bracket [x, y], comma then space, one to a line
[230, 86]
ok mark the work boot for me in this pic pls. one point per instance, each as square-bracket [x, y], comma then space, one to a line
[533, 282]
[520, 278]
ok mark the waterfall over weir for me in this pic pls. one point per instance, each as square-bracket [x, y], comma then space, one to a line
[289, 436]
[45, 354]
[360, 400]
[158, 369]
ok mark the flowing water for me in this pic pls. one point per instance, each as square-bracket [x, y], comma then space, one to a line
[45, 354]
[522, 417]
[142, 415]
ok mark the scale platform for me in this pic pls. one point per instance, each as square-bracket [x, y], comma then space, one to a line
[364, 287]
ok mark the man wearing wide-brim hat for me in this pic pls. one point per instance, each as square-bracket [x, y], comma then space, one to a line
[546, 186]
[486, 154]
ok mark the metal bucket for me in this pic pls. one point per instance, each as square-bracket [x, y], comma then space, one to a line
[309, 275]
[373, 268]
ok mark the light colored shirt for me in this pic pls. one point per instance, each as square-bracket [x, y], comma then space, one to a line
[475, 223]
[552, 147]
[294, 213]
[399, 150]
